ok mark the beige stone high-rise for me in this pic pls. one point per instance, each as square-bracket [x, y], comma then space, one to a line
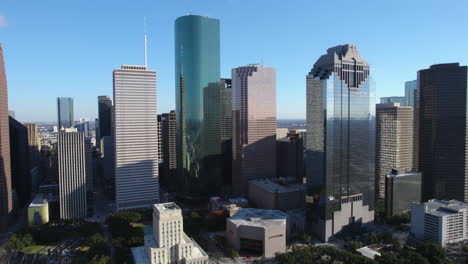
[393, 142]
[254, 125]
[34, 144]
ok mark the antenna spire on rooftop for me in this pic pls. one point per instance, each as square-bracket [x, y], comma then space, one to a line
[145, 53]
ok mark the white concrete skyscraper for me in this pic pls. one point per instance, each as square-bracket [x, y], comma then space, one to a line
[136, 137]
[72, 174]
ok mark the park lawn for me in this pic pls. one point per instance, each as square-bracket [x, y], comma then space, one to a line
[138, 224]
[84, 248]
[32, 249]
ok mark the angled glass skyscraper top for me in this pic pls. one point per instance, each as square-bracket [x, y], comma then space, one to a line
[197, 68]
[65, 112]
[341, 141]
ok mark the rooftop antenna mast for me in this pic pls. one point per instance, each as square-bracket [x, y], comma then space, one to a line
[145, 54]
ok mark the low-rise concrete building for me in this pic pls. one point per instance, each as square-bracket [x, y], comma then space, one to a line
[276, 195]
[169, 243]
[38, 211]
[258, 230]
[440, 221]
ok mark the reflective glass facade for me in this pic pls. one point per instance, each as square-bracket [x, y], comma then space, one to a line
[197, 68]
[340, 135]
[410, 86]
[65, 112]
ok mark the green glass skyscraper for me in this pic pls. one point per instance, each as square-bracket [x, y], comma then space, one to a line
[197, 68]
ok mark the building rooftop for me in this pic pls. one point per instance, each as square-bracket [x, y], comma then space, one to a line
[139, 255]
[38, 201]
[272, 186]
[259, 217]
[444, 207]
[166, 207]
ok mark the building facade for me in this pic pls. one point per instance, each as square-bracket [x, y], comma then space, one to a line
[65, 112]
[199, 166]
[34, 144]
[6, 203]
[290, 157]
[136, 137]
[340, 166]
[169, 150]
[259, 230]
[104, 111]
[226, 131]
[72, 175]
[393, 99]
[410, 87]
[443, 130]
[89, 168]
[169, 243]
[276, 195]
[19, 151]
[393, 142]
[160, 148]
[402, 188]
[254, 125]
[440, 221]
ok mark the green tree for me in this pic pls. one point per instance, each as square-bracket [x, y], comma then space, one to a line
[286, 258]
[96, 239]
[353, 245]
[100, 260]
[432, 252]
[387, 258]
[232, 253]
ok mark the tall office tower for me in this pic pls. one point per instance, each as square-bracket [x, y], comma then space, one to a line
[72, 174]
[226, 131]
[393, 99]
[136, 137]
[104, 109]
[89, 167]
[416, 131]
[199, 158]
[20, 177]
[290, 157]
[341, 141]
[6, 204]
[160, 154]
[393, 142]
[169, 149]
[65, 112]
[410, 86]
[443, 130]
[34, 144]
[254, 125]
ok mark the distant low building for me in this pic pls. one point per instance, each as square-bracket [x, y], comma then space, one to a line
[276, 195]
[258, 230]
[38, 211]
[169, 243]
[440, 221]
[401, 190]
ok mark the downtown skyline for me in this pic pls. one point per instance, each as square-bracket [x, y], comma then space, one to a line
[77, 63]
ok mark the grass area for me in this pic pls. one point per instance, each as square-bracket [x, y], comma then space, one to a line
[138, 225]
[32, 249]
[84, 248]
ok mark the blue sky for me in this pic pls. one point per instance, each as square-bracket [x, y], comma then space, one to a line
[69, 48]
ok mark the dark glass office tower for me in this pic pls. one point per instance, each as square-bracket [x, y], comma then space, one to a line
[226, 132]
[340, 146]
[65, 112]
[443, 158]
[169, 164]
[197, 67]
[19, 150]
[6, 204]
[104, 108]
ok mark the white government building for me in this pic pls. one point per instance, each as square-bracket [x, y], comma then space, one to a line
[440, 221]
[169, 243]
